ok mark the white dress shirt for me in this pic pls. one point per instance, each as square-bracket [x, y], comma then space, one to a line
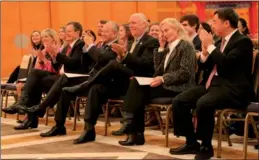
[172, 46]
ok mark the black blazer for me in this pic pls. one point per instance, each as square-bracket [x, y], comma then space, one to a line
[234, 66]
[197, 43]
[99, 56]
[72, 63]
[141, 60]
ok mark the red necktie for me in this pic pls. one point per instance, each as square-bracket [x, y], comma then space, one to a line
[61, 71]
[212, 73]
[68, 50]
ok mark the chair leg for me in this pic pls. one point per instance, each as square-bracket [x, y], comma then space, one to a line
[2, 101]
[158, 117]
[167, 125]
[106, 118]
[227, 135]
[245, 137]
[220, 120]
[75, 113]
[17, 116]
[47, 116]
[6, 101]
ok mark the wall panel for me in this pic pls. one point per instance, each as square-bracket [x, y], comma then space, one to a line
[23, 17]
[10, 28]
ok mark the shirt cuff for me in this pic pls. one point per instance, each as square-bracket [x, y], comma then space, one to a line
[211, 48]
[162, 79]
[203, 58]
[160, 49]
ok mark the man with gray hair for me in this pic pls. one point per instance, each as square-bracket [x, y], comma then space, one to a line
[112, 81]
[101, 56]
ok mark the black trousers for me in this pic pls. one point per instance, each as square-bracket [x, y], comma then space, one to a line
[14, 75]
[137, 98]
[55, 91]
[110, 82]
[37, 82]
[204, 102]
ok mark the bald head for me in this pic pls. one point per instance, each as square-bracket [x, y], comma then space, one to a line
[138, 24]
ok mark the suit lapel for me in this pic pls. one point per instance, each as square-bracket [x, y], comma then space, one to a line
[139, 44]
[231, 42]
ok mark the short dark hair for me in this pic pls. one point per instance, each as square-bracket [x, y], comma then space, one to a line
[92, 33]
[206, 26]
[244, 25]
[77, 27]
[192, 20]
[103, 21]
[228, 14]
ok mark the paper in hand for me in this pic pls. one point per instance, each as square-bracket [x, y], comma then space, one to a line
[144, 80]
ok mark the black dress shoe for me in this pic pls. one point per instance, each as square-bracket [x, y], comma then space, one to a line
[54, 132]
[121, 131]
[133, 139]
[86, 136]
[186, 149]
[205, 153]
[15, 108]
[35, 109]
[27, 124]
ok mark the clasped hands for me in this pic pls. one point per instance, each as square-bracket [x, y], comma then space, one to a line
[206, 40]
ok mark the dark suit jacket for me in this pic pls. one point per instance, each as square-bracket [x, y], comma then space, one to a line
[100, 57]
[72, 62]
[197, 43]
[179, 73]
[141, 60]
[234, 66]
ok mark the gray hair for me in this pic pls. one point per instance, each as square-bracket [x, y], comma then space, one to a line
[143, 18]
[115, 26]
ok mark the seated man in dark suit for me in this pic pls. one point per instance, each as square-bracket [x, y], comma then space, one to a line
[229, 85]
[192, 23]
[101, 56]
[174, 73]
[112, 81]
[68, 60]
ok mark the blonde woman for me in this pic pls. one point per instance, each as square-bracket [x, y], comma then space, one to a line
[43, 62]
[174, 73]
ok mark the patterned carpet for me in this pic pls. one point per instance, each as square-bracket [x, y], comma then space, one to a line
[27, 144]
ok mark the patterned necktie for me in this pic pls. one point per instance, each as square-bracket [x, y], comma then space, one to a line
[214, 71]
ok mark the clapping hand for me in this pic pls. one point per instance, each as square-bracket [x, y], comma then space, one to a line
[119, 49]
[52, 49]
[88, 38]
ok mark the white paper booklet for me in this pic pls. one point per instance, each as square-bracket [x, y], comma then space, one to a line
[74, 75]
[144, 80]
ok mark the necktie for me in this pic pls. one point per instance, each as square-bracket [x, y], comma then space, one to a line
[212, 73]
[68, 50]
[133, 46]
[62, 71]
